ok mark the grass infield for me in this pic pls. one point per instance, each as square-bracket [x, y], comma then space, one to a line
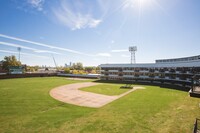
[26, 107]
[106, 89]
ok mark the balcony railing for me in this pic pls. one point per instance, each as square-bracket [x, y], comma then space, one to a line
[196, 126]
[128, 70]
[112, 75]
[131, 76]
[113, 70]
[144, 71]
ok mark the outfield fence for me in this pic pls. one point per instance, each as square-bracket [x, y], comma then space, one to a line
[27, 75]
[95, 76]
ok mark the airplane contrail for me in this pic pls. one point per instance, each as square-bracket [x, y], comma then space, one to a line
[13, 52]
[28, 48]
[42, 44]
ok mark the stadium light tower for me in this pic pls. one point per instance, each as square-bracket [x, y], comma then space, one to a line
[132, 50]
[19, 50]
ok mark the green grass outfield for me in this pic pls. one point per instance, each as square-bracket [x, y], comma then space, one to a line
[26, 107]
[106, 89]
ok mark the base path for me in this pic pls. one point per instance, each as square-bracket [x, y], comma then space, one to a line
[72, 95]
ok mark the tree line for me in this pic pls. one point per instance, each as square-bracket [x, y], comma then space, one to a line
[76, 68]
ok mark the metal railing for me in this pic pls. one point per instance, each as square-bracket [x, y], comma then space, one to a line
[196, 126]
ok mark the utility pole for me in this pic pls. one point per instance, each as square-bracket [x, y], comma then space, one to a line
[19, 50]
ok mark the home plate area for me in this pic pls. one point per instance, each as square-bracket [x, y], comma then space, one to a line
[72, 95]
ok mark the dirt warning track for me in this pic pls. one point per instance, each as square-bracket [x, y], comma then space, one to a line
[72, 95]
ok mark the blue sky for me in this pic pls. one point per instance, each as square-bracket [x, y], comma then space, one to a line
[98, 31]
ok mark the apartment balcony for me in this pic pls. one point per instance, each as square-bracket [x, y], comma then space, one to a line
[128, 71]
[113, 71]
[189, 72]
[151, 76]
[144, 76]
[112, 75]
[144, 71]
[166, 77]
[172, 78]
[178, 72]
[188, 79]
[172, 71]
[128, 76]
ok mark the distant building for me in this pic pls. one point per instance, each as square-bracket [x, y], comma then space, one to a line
[46, 70]
[173, 71]
[68, 66]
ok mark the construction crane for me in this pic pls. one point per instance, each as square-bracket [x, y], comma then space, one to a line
[55, 62]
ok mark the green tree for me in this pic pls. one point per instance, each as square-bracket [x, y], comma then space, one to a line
[98, 70]
[75, 72]
[67, 70]
[30, 69]
[10, 61]
[77, 66]
[89, 69]
[36, 68]
[81, 72]
[93, 72]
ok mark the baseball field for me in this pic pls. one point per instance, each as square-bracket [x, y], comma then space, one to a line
[26, 107]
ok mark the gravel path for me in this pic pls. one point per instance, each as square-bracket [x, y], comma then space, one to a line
[72, 95]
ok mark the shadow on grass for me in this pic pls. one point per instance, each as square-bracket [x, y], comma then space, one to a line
[161, 85]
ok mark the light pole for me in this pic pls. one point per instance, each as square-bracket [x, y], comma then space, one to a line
[19, 50]
[132, 50]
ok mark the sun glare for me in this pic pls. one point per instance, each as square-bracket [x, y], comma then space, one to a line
[138, 3]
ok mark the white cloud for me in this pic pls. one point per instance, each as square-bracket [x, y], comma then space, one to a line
[74, 19]
[104, 54]
[119, 50]
[38, 4]
[94, 23]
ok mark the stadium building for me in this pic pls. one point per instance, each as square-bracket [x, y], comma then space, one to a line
[177, 71]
